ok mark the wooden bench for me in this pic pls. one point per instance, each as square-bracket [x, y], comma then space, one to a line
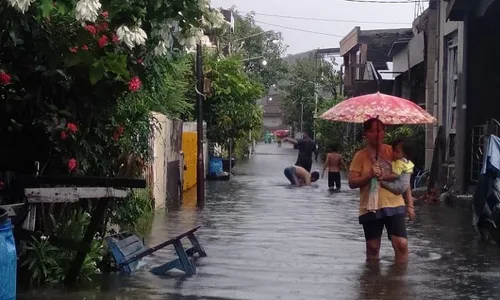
[127, 249]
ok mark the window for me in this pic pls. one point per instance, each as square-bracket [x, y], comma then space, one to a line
[451, 93]
[451, 145]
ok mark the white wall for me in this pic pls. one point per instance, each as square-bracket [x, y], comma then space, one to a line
[272, 121]
[165, 135]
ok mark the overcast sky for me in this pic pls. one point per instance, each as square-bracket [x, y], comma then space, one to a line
[365, 15]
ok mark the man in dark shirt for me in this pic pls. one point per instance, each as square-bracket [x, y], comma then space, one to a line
[306, 148]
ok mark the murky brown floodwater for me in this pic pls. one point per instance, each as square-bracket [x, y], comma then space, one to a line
[267, 241]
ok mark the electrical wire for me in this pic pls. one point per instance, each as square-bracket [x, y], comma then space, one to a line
[298, 29]
[325, 20]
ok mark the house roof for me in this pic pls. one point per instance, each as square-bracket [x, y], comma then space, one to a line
[379, 43]
[397, 46]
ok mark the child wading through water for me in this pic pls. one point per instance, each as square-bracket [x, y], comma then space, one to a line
[333, 163]
[402, 168]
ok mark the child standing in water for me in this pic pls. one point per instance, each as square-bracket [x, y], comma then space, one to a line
[402, 168]
[333, 163]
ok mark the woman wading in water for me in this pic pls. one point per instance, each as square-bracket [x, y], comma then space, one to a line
[391, 209]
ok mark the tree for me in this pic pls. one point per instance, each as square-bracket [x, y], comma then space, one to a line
[67, 66]
[305, 78]
[254, 46]
[231, 111]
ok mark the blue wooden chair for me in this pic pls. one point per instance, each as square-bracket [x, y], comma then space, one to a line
[127, 249]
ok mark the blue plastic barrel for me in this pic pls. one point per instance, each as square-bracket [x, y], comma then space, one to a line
[8, 258]
[215, 166]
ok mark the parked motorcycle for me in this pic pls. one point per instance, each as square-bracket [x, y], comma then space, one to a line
[486, 204]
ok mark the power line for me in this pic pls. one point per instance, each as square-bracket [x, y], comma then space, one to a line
[298, 29]
[326, 20]
[384, 2]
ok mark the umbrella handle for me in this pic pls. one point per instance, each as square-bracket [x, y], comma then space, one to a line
[376, 150]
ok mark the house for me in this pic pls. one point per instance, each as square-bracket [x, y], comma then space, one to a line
[273, 118]
[471, 66]
[414, 62]
[366, 62]
[461, 79]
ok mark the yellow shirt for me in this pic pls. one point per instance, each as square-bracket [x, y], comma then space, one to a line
[402, 166]
[387, 201]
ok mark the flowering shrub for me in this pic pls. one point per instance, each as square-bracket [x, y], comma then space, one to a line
[66, 68]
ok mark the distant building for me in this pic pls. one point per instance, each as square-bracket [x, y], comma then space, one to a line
[367, 65]
[273, 118]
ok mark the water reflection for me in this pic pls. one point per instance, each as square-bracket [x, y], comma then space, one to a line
[377, 283]
[267, 241]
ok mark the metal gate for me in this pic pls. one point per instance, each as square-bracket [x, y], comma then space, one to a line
[479, 138]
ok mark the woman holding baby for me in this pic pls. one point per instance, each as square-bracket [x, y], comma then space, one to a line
[390, 167]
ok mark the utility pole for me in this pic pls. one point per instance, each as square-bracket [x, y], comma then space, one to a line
[302, 116]
[200, 165]
[315, 109]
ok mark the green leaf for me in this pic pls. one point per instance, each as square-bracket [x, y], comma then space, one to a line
[117, 64]
[46, 7]
[65, 113]
[96, 73]
[72, 60]
[62, 8]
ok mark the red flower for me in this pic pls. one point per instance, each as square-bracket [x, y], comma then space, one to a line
[72, 128]
[105, 14]
[73, 49]
[103, 26]
[4, 78]
[91, 28]
[140, 61]
[118, 133]
[103, 41]
[115, 39]
[64, 135]
[71, 164]
[134, 84]
[85, 48]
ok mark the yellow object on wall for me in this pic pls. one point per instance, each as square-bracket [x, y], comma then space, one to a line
[189, 147]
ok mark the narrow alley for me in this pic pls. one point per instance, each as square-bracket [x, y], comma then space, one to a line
[266, 240]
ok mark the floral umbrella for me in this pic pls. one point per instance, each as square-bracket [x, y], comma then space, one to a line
[389, 109]
[281, 132]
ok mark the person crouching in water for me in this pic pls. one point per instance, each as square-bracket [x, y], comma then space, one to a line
[402, 168]
[299, 176]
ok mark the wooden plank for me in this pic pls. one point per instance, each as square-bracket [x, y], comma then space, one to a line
[32, 181]
[132, 249]
[187, 266]
[196, 245]
[71, 194]
[162, 269]
[10, 208]
[30, 221]
[126, 241]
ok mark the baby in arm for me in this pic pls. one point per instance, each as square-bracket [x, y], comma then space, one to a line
[399, 180]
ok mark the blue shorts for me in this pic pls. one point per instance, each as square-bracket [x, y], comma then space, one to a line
[290, 174]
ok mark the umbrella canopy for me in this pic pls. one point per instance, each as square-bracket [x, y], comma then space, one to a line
[389, 109]
[281, 133]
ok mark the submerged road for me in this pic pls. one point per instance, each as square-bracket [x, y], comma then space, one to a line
[266, 240]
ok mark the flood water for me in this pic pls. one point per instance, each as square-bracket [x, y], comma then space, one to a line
[265, 240]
